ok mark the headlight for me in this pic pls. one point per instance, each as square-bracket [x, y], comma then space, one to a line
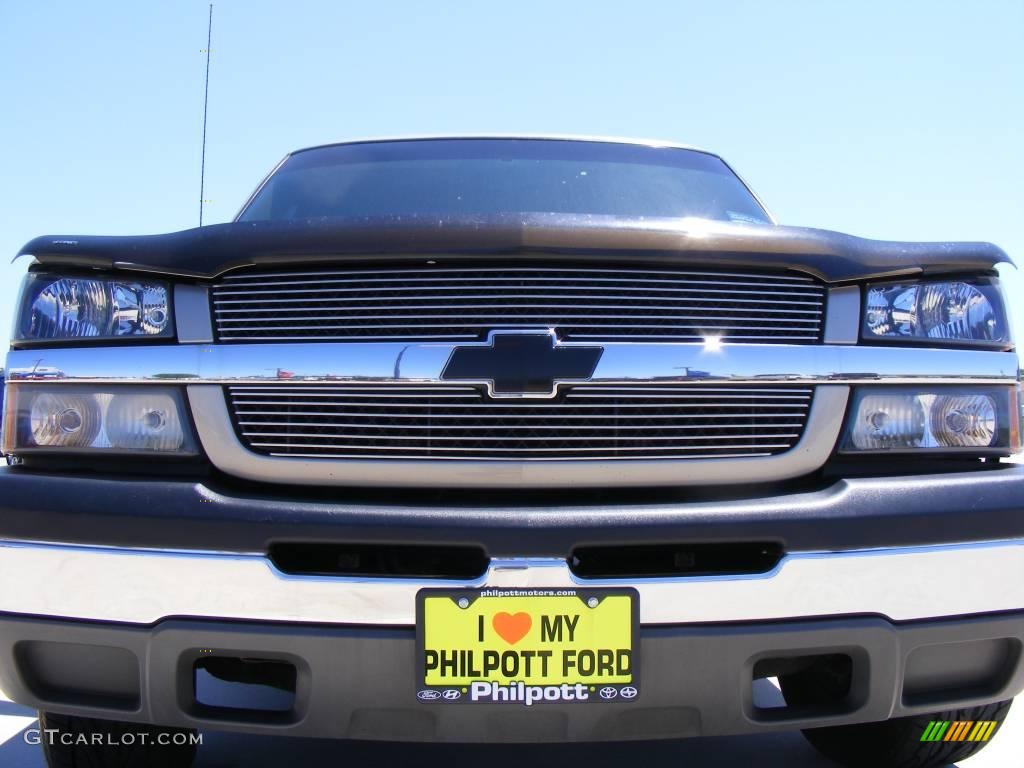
[979, 420]
[116, 419]
[55, 308]
[957, 312]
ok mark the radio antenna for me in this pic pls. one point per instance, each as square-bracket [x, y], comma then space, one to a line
[206, 100]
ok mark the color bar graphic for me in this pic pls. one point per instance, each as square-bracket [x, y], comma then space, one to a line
[959, 730]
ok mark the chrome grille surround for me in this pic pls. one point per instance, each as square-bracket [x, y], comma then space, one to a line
[205, 369]
[584, 303]
[586, 422]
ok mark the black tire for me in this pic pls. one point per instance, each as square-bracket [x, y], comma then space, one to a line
[74, 743]
[892, 743]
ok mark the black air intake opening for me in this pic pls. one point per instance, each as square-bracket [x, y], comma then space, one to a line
[654, 560]
[380, 560]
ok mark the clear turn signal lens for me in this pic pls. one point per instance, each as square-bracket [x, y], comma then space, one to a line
[145, 422]
[64, 420]
[123, 419]
[983, 420]
[888, 421]
[964, 421]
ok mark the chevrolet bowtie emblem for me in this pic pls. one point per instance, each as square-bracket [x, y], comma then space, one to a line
[521, 363]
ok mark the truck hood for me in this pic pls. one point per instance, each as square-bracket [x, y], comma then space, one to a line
[207, 252]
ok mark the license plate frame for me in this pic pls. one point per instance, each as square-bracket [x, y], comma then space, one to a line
[603, 661]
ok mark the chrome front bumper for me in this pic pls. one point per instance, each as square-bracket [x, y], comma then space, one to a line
[140, 586]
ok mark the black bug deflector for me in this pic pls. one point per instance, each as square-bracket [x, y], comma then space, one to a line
[210, 251]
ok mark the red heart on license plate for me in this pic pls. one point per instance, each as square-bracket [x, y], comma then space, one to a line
[512, 627]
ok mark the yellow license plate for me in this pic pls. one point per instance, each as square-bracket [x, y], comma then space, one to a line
[527, 646]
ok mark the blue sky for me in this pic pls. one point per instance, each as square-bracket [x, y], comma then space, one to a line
[890, 120]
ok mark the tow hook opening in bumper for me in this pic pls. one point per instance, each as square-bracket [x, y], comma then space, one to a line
[243, 687]
[809, 685]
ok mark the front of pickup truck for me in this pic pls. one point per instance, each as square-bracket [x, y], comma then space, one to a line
[513, 440]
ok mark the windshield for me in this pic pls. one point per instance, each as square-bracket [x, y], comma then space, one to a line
[481, 177]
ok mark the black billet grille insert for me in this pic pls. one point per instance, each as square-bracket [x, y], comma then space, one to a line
[584, 422]
[464, 302]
